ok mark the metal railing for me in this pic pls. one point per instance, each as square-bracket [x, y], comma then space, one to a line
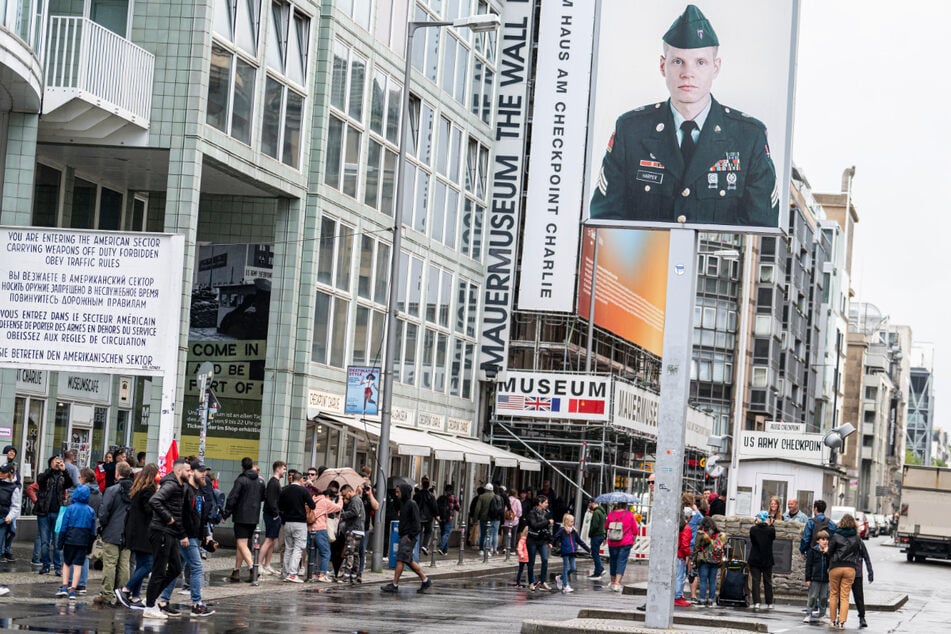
[84, 57]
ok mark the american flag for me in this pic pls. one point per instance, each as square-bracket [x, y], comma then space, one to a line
[507, 401]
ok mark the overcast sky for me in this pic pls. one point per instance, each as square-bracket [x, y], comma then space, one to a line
[872, 91]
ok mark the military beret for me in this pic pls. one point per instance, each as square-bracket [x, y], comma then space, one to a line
[691, 30]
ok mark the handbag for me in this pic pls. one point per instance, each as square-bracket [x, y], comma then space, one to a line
[332, 524]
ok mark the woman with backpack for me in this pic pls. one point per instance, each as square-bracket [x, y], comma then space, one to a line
[621, 527]
[708, 555]
[844, 554]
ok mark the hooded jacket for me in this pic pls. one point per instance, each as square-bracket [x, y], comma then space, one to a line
[409, 513]
[762, 536]
[244, 500]
[817, 565]
[78, 527]
[11, 494]
[51, 493]
[844, 549]
[167, 505]
[194, 512]
[114, 510]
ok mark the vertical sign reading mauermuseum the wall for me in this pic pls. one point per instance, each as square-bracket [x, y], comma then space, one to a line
[511, 118]
[88, 300]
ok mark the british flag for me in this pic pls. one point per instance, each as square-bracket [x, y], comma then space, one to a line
[538, 404]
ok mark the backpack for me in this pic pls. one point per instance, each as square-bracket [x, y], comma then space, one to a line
[715, 554]
[818, 525]
[496, 508]
[616, 531]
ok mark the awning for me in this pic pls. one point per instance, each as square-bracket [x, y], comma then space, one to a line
[416, 442]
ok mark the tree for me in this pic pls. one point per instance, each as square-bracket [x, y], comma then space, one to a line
[938, 462]
[911, 457]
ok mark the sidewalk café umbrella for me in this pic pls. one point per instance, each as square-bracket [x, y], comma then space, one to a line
[394, 481]
[616, 497]
[343, 476]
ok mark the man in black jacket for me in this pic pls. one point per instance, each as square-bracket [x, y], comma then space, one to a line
[272, 515]
[426, 502]
[293, 503]
[51, 495]
[409, 532]
[244, 502]
[166, 534]
[112, 516]
[195, 525]
[351, 531]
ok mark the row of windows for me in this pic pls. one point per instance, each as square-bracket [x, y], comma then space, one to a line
[426, 297]
[234, 73]
[77, 203]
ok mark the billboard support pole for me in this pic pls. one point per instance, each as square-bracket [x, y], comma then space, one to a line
[588, 363]
[671, 419]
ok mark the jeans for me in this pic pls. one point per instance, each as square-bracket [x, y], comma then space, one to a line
[494, 535]
[143, 566]
[534, 549]
[45, 535]
[681, 578]
[192, 556]
[84, 575]
[567, 567]
[295, 539]
[708, 581]
[322, 547]
[445, 529]
[484, 533]
[617, 559]
[6, 537]
[596, 553]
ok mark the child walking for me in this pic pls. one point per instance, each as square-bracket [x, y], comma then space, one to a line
[817, 579]
[569, 540]
[76, 536]
[522, 550]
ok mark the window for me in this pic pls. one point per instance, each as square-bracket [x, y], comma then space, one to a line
[483, 72]
[760, 376]
[763, 326]
[383, 146]
[473, 216]
[288, 45]
[438, 295]
[410, 285]
[47, 185]
[426, 46]
[455, 65]
[358, 10]
[332, 302]
[344, 135]
[372, 276]
[92, 206]
[233, 68]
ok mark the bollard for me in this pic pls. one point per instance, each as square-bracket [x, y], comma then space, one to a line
[508, 543]
[462, 541]
[434, 539]
[256, 552]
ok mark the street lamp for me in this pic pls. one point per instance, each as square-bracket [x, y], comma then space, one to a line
[477, 24]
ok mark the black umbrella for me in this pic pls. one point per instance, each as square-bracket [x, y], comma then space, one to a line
[394, 481]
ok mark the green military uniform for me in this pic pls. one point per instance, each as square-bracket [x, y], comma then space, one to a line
[730, 180]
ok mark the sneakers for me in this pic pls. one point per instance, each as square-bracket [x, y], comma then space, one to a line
[770, 606]
[807, 618]
[169, 610]
[136, 603]
[545, 586]
[71, 595]
[682, 603]
[424, 586]
[268, 570]
[5, 591]
[122, 595]
[481, 553]
[559, 583]
[424, 550]
[443, 552]
[293, 579]
[154, 612]
[756, 606]
[9, 558]
[201, 610]
[322, 578]
[862, 622]
[45, 570]
[390, 588]
[80, 589]
[62, 592]
[567, 589]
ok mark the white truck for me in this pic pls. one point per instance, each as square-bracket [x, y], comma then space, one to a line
[924, 522]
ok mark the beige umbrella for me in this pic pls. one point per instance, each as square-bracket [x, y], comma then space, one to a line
[343, 476]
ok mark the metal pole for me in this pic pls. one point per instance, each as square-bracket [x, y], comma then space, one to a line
[740, 381]
[579, 491]
[672, 414]
[256, 551]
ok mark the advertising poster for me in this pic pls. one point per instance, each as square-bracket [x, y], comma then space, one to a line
[230, 310]
[631, 285]
[726, 71]
[363, 391]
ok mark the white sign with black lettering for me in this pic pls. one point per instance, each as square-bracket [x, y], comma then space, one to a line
[88, 300]
[94, 388]
[805, 448]
[783, 427]
[31, 381]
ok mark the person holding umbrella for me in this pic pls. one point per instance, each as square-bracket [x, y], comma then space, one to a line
[621, 528]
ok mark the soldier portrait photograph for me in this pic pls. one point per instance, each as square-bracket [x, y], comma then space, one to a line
[689, 155]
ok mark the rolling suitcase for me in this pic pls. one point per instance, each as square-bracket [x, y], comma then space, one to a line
[734, 575]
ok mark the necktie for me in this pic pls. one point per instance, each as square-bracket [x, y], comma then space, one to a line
[687, 145]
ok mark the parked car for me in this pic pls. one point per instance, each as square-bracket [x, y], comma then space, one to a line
[862, 522]
[873, 526]
[883, 525]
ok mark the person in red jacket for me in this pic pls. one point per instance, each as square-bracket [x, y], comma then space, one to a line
[683, 554]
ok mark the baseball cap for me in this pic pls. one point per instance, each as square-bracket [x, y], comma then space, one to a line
[197, 465]
[691, 30]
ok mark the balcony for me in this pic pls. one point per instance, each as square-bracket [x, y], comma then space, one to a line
[21, 77]
[97, 82]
